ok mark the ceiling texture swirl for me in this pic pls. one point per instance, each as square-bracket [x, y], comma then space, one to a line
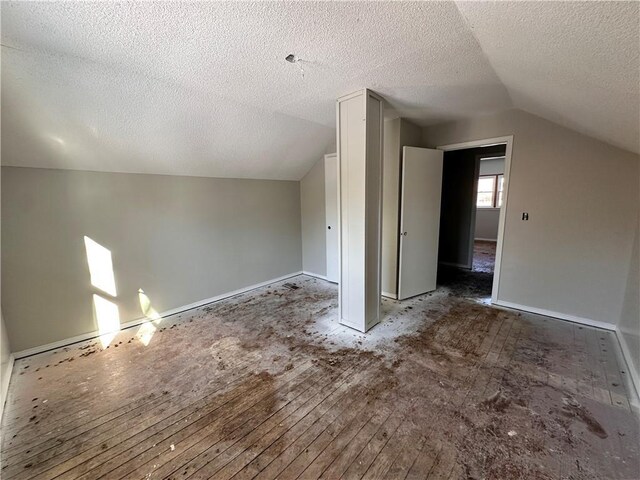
[203, 89]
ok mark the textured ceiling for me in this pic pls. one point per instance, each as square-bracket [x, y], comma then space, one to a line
[203, 88]
[574, 63]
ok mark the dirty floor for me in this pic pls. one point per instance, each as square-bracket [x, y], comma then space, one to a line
[476, 283]
[484, 256]
[267, 385]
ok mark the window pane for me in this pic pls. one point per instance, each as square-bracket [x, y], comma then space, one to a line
[500, 189]
[485, 199]
[485, 191]
[485, 184]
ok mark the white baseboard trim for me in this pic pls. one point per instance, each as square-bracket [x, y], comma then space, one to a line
[316, 275]
[494, 240]
[6, 378]
[631, 368]
[134, 323]
[390, 295]
[558, 315]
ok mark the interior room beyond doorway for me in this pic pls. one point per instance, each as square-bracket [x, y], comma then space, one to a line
[473, 188]
[490, 192]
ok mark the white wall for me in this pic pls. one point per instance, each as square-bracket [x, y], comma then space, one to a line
[398, 133]
[312, 208]
[180, 239]
[572, 256]
[487, 218]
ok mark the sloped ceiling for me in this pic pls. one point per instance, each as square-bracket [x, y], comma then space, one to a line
[203, 88]
[573, 63]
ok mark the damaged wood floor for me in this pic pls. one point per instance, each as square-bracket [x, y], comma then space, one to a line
[267, 385]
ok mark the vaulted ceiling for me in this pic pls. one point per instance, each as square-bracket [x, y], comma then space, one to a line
[203, 88]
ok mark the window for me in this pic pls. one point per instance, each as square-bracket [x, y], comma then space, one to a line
[490, 189]
[500, 183]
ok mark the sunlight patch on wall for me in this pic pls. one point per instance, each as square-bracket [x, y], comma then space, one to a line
[100, 266]
[108, 319]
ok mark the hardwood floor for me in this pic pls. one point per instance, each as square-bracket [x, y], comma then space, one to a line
[267, 385]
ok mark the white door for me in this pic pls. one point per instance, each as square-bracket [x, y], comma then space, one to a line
[331, 213]
[419, 220]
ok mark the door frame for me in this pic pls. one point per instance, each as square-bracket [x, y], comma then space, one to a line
[487, 142]
[474, 211]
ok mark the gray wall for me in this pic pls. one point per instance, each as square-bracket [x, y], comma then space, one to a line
[180, 239]
[572, 256]
[5, 363]
[492, 166]
[398, 133]
[487, 219]
[629, 325]
[312, 206]
[391, 157]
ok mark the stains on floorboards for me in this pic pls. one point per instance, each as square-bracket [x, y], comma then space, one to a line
[268, 385]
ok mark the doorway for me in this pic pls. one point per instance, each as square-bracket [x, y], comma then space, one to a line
[490, 195]
[474, 199]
